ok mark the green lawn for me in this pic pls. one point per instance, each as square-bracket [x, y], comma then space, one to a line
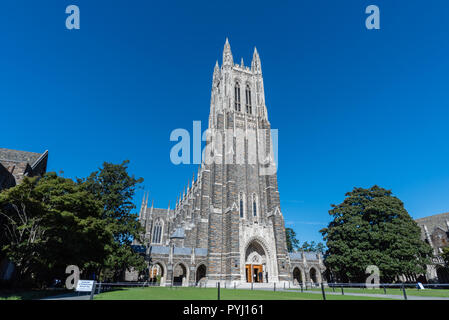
[29, 294]
[166, 293]
[410, 291]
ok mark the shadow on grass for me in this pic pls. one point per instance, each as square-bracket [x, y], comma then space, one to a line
[30, 294]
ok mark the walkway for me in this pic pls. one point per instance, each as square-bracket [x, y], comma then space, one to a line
[70, 296]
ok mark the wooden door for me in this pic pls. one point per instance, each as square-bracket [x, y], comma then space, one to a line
[257, 269]
[248, 273]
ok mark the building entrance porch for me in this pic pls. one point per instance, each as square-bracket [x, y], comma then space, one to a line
[254, 273]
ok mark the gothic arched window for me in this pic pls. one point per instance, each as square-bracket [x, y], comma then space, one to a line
[248, 100]
[241, 205]
[157, 232]
[254, 205]
[237, 96]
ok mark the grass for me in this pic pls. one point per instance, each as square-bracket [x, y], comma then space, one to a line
[166, 293]
[395, 291]
[29, 294]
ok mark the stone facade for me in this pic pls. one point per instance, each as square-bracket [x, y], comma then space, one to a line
[15, 165]
[227, 225]
[435, 231]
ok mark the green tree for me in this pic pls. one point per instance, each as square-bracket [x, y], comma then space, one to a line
[371, 227]
[115, 189]
[292, 242]
[445, 256]
[52, 222]
[313, 247]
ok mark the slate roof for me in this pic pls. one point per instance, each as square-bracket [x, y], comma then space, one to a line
[310, 256]
[201, 251]
[296, 256]
[20, 156]
[182, 251]
[160, 249]
[178, 234]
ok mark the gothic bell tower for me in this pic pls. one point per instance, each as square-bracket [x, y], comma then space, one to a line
[246, 233]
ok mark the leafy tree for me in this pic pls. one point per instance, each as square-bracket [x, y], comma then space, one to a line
[371, 227]
[115, 188]
[52, 222]
[445, 256]
[320, 247]
[313, 247]
[292, 242]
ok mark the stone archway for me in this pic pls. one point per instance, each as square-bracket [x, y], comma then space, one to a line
[256, 263]
[201, 273]
[443, 274]
[313, 275]
[180, 275]
[155, 273]
[297, 276]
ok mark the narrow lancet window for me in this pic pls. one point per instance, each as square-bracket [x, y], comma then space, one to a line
[255, 208]
[157, 232]
[237, 97]
[248, 100]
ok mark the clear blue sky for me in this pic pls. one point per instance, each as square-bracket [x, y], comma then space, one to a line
[353, 107]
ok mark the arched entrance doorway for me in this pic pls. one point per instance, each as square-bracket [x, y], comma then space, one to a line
[297, 276]
[256, 263]
[155, 272]
[443, 275]
[200, 273]
[179, 274]
[313, 275]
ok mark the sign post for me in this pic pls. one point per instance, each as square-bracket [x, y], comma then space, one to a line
[86, 286]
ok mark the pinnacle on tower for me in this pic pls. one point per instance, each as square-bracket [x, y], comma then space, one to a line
[146, 201]
[216, 71]
[255, 64]
[227, 54]
[142, 205]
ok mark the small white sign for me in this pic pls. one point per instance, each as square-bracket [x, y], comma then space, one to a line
[420, 286]
[85, 285]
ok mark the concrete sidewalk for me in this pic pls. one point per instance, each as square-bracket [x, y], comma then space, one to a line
[69, 296]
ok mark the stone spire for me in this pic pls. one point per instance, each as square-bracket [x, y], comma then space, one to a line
[227, 55]
[216, 74]
[255, 64]
[146, 201]
[142, 205]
